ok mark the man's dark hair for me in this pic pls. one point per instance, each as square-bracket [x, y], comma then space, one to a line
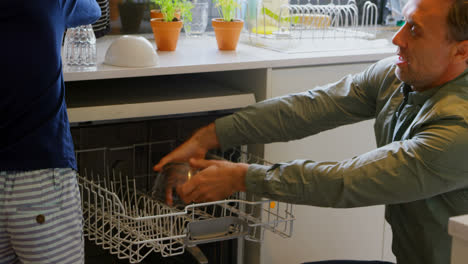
[457, 20]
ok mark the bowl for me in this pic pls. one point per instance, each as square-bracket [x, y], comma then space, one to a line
[131, 51]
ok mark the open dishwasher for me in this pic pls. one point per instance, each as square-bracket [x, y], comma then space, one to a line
[122, 218]
[119, 136]
[129, 223]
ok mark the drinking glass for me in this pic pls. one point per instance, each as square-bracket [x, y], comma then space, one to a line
[80, 46]
[169, 178]
[197, 26]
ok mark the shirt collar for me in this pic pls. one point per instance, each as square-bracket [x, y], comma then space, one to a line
[417, 98]
[464, 75]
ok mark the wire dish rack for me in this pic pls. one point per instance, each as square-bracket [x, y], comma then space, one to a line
[283, 26]
[129, 223]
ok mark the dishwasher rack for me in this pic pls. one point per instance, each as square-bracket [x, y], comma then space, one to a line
[130, 224]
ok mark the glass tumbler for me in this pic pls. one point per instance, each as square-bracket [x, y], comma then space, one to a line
[169, 178]
[197, 26]
[80, 46]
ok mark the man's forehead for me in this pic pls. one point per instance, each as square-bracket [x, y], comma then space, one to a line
[418, 10]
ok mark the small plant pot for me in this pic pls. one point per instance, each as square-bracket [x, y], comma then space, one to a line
[227, 33]
[131, 15]
[166, 34]
[156, 13]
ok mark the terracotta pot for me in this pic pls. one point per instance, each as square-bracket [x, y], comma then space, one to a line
[156, 13]
[166, 34]
[227, 33]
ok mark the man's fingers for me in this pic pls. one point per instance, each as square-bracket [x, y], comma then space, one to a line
[201, 163]
[186, 190]
[161, 163]
[169, 200]
[158, 167]
[186, 198]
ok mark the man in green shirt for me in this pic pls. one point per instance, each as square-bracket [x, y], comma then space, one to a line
[419, 100]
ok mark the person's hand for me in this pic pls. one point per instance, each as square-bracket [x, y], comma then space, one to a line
[196, 147]
[216, 180]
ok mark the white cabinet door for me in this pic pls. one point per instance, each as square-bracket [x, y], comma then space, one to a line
[324, 233]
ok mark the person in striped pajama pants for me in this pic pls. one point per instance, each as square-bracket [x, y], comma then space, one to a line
[40, 206]
[40, 217]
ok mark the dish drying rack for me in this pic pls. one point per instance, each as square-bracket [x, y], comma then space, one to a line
[130, 224]
[283, 26]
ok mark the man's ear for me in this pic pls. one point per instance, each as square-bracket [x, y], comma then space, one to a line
[461, 53]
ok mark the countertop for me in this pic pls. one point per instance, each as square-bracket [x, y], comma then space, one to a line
[198, 55]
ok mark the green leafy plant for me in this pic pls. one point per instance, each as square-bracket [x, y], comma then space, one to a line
[227, 9]
[153, 5]
[169, 8]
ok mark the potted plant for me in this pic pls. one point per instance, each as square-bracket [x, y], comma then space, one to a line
[166, 30]
[228, 28]
[131, 14]
[155, 11]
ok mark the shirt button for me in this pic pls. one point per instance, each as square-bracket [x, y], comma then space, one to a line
[40, 219]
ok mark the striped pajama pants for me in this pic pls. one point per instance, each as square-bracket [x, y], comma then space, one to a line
[40, 217]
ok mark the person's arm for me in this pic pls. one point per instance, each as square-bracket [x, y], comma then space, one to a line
[294, 116]
[432, 162]
[349, 100]
[80, 12]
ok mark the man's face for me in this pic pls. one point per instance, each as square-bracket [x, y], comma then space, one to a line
[425, 53]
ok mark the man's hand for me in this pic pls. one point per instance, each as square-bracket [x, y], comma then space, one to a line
[196, 147]
[216, 180]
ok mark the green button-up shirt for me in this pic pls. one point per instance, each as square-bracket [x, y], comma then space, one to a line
[419, 170]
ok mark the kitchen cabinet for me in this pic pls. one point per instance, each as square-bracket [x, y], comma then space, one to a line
[325, 233]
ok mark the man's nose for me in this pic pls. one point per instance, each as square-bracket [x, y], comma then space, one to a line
[399, 39]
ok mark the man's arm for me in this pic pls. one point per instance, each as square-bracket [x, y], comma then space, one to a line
[294, 116]
[432, 162]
